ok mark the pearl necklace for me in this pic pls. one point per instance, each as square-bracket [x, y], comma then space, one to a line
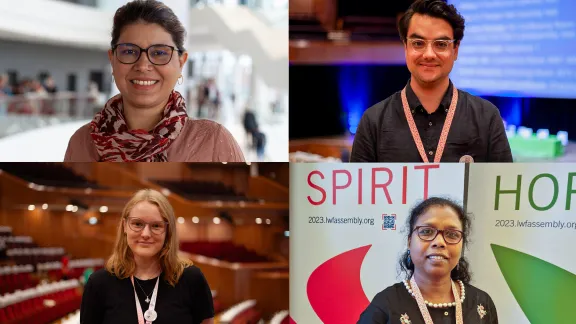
[440, 305]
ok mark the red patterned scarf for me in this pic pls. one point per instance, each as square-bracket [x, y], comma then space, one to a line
[115, 142]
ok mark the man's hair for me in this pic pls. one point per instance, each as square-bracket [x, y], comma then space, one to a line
[433, 8]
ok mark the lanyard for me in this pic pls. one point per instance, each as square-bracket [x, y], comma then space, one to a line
[445, 129]
[150, 315]
[424, 309]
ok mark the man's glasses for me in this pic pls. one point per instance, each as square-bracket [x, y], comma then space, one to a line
[157, 54]
[138, 225]
[438, 45]
[428, 233]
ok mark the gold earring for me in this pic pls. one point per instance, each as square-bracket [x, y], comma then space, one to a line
[180, 81]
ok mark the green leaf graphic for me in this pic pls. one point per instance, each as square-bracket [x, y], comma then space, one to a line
[546, 293]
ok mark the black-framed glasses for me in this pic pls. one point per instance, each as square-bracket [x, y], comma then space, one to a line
[138, 225]
[429, 233]
[158, 54]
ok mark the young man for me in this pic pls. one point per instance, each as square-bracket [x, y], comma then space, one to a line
[430, 120]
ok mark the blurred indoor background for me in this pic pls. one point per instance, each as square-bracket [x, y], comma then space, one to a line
[55, 74]
[58, 224]
[346, 56]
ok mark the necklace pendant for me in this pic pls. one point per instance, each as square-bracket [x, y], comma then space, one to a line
[147, 300]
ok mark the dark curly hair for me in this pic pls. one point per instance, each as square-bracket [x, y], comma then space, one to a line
[461, 272]
[437, 9]
[151, 12]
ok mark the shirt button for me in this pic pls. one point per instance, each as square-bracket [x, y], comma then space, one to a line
[446, 110]
[430, 152]
[445, 313]
[421, 110]
[412, 110]
[430, 124]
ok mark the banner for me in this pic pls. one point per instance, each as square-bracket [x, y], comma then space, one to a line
[346, 228]
[524, 239]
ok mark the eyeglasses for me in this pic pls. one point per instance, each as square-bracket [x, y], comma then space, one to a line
[158, 54]
[428, 233]
[138, 225]
[438, 45]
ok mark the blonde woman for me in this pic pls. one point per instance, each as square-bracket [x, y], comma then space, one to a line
[144, 280]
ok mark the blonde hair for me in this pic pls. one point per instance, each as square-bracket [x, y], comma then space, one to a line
[122, 264]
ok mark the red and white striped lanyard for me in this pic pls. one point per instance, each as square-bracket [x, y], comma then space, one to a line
[445, 129]
[424, 309]
[150, 315]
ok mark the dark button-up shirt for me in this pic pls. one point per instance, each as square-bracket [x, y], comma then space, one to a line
[477, 130]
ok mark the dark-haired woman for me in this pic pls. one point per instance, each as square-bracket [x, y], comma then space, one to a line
[437, 287]
[147, 121]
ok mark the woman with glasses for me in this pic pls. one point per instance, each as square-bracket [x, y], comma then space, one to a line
[147, 121]
[145, 281]
[437, 286]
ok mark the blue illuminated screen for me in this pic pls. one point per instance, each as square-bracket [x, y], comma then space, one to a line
[517, 48]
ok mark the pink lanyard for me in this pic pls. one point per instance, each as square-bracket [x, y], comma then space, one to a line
[424, 309]
[150, 315]
[445, 129]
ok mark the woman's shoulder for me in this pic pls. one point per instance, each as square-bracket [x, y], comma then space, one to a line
[473, 292]
[205, 127]
[204, 140]
[80, 147]
[81, 134]
[101, 276]
[393, 292]
[192, 273]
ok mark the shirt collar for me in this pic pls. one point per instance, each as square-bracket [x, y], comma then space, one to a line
[416, 106]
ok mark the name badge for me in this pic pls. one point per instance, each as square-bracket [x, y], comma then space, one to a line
[466, 159]
[150, 315]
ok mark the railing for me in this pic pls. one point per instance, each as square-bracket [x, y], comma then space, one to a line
[273, 12]
[30, 111]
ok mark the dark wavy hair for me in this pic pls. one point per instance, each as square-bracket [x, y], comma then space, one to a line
[151, 12]
[461, 272]
[437, 9]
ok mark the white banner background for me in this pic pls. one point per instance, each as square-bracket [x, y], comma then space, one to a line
[312, 244]
[552, 245]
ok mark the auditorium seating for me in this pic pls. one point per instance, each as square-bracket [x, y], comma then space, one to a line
[370, 28]
[306, 27]
[5, 231]
[15, 242]
[203, 190]
[218, 307]
[242, 313]
[281, 317]
[42, 304]
[225, 251]
[16, 277]
[73, 318]
[35, 255]
[76, 268]
[47, 174]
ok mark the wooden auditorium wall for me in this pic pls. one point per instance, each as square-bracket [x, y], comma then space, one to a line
[302, 7]
[231, 175]
[328, 53]
[130, 175]
[326, 11]
[278, 172]
[65, 229]
[111, 175]
[73, 232]
[261, 238]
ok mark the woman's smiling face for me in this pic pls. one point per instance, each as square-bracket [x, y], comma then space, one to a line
[143, 84]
